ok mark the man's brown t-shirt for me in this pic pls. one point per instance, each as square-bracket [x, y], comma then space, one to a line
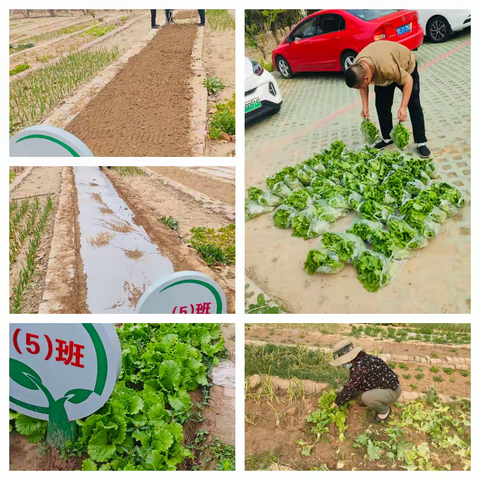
[391, 62]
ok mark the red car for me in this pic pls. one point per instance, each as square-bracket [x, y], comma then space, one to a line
[329, 40]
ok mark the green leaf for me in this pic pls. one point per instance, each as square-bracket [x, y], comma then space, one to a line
[154, 460]
[373, 451]
[100, 448]
[162, 440]
[181, 401]
[34, 428]
[23, 375]
[169, 374]
[89, 465]
[78, 395]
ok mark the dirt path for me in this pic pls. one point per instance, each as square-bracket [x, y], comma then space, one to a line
[214, 188]
[219, 61]
[39, 183]
[145, 109]
[300, 337]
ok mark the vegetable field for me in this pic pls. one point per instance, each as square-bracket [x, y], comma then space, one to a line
[86, 74]
[89, 240]
[153, 420]
[291, 386]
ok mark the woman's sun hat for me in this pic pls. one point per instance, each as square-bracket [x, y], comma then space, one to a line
[344, 352]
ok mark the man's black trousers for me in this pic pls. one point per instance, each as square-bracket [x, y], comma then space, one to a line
[384, 102]
[201, 14]
[153, 15]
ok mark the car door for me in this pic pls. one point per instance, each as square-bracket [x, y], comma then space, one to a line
[300, 53]
[327, 44]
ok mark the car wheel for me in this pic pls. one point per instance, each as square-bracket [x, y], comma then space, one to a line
[284, 67]
[438, 30]
[347, 59]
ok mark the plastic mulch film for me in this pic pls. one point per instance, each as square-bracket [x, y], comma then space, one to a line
[253, 210]
[281, 190]
[268, 199]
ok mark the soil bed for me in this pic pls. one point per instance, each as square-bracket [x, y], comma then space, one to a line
[300, 337]
[145, 109]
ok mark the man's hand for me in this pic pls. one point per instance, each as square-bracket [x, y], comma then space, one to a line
[402, 114]
[365, 113]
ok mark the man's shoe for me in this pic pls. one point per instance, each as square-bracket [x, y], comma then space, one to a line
[424, 151]
[201, 24]
[383, 144]
[155, 26]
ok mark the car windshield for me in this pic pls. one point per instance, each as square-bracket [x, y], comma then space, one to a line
[368, 15]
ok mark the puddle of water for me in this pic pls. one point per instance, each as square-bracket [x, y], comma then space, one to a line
[115, 277]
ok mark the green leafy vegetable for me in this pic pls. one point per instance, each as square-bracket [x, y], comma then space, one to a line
[400, 136]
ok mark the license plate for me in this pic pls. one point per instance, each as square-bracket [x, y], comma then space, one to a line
[404, 29]
[252, 105]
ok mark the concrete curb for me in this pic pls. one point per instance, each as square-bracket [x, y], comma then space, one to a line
[386, 357]
[200, 96]
[208, 202]
[63, 115]
[18, 180]
[83, 47]
[62, 257]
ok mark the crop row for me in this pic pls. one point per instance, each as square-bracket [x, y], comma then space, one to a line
[33, 96]
[28, 269]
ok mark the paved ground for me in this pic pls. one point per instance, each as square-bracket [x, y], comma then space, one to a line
[318, 108]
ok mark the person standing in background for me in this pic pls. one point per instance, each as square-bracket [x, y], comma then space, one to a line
[201, 13]
[169, 16]
[153, 15]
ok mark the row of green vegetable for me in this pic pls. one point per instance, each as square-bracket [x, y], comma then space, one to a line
[399, 205]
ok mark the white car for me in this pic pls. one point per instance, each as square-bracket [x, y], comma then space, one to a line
[438, 25]
[262, 96]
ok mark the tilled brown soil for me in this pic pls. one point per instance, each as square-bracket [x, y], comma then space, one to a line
[268, 430]
[300, 337]
[183, 14]
[145, 109]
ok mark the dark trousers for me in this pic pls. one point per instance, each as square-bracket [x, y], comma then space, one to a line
[202, 16]
[168, 15]
[153, 15]
[384, 102]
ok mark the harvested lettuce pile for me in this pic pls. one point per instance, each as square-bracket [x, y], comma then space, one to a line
[400, 136]
[400, 208]
[369, 131]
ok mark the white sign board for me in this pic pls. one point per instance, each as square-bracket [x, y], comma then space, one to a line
[62, 368]
[183, 292]
[46, 141]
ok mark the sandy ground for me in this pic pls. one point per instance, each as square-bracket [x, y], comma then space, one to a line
[223, 191]
[301, 337]
[219, 61]
[40, 182]
[145, 109]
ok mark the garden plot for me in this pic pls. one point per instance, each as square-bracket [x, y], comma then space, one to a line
[172, 410]
[425, 432]
[109, 236]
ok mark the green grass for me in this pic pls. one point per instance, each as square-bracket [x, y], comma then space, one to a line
[434, 369]
[263, 307]
[19, 68]
[33, 96]
[170, 222]
[12, 176]
[449, 371]
[447, 327]
[43, 58]
[20, 47]
[464, 373]
[215, 247]
[293, 362]
[220, 20]
[256, 462]
[327, 328]
[99, 30]
[437, 379]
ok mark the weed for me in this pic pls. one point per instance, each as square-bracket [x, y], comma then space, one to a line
[268, 66]
[19, 68]
[122, 19]
[419, 376]
[434, 369]
[215, 247]
[256, 462]
[11, 176]
[170, 222]
[99, 30]
[20, 47]
[413, 387]
[392, 365]
[464, 373]
[452, 380]
[213, 85]
[403, 366]
[263, 307]
[433, 355]
[223, 120]
[449, 371]
[418, 369]
[437, 379]
[406, 376]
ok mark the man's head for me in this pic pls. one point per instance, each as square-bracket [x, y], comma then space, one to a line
[358, 76]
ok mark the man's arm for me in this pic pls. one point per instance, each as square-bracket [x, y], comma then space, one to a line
[364, 97]
[406, 93]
